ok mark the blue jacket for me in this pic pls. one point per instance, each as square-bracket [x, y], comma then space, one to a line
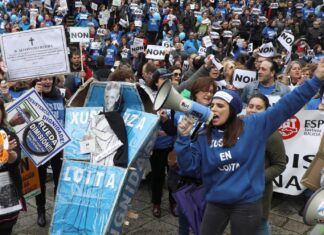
[56, 105]
[153, 25]
[269, 33]
[236, 174]
[110, 54]
[189, 46]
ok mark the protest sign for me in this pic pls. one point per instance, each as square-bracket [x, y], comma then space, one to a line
[33, 14]
[138, 12]
[138, 41]
[138, 23]
[37, 3]
[236, 22]
[301, 134]
[286, 40]
[202, 51]
[262, 19]
[94, 6]
[101, 32]
[238, 11]
[78, 4]
[35, 53]
[274, 5]
[166, 44]
[256, 11]
[79, 34]
[135, 49]
[124, 53]
[241, 78]
[95, 45]
[104, 17]
[227, 34]
[116, 3]
[76, 123]
[40, 133]
[155, 52]
[30, 178]
[207, 41]
[267, 50]
[250, 47]
[9, 198]
[86, 197]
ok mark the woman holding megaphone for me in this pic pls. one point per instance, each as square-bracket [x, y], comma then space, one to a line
[230, 156]
[11, 197]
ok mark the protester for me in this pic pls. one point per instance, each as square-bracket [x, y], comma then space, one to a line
[275, 159]
[51, 94]
[227, 136]
[11, 167]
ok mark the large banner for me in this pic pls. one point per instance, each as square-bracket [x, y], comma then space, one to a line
[302, 135]
[35, 53]
[85, 197]
[41, 136]
[76, 124]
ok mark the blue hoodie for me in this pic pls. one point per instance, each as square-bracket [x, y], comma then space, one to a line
[236, 174]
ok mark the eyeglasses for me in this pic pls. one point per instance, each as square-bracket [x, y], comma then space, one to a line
[177, 74]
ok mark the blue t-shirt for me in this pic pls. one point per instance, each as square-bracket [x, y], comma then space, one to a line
[266, 90]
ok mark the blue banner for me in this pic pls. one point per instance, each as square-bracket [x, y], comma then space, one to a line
[85, 198]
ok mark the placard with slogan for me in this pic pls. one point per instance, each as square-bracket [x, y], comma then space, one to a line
[40, 134]
[241, 78]
[35, 53]
[137, 48]
[155, 52]
[286, 40]
[85, 198]
[76, 124]
[30, 177]
[302, 135]
[79, 34]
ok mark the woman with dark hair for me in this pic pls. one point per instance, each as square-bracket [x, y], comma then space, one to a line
[230, 156]
[45, 86]
[275, 159]
[11, 167]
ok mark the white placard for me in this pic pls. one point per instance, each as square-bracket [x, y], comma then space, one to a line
[101, 32]
[83, 16]
[166, 44]
[78, 4]
[155, 52]
[192, 6]
[95, 45]
[133, 6]
[236, 22]
[267, 50]
[94, 6]
[138, 23]
[138, 12]
[207, 41]
[135, 49]
[138, 41]
[79, 34]
[256, 11]
[238, 11]
[250, 48]
[274, 5]
[33, 15]
[286, 40]
[262, 19]
[116, 3]
[202, 51]
[197, 13]
[299, 5]
[227, 34]
[35, 53]
[241, 78]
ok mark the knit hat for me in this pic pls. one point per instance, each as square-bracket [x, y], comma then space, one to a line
[232, 98]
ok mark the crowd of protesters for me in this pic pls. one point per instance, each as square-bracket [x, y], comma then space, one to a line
[236, 29]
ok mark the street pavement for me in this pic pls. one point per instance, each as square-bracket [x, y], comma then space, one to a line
[284, 216]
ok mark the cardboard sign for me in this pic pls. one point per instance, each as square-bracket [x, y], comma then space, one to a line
[267, 50]
[236, 22]
[155, 52]
[79, 34]
[135, 49]
[274, 5]
[28, 53]
[94, 6]
[41, 135]
[30, 177]
[101, 32]
[207, 41]
[256, 11]
[286, 40]
[241, 78]
[166, 44]
[250, 47]
[138, 41]
[202, 51]
[78, 4]
[227, 34]
[95, 45]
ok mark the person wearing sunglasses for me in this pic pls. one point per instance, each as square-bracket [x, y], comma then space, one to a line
[176, 75]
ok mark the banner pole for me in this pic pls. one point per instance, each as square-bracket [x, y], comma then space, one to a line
[81, 57]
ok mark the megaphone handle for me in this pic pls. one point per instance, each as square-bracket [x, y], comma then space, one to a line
[194, 133]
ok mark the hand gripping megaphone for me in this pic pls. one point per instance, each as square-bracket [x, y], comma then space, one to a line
[167, 97]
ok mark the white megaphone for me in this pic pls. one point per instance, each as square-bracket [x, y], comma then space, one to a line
[167, 97]
[314, 210]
